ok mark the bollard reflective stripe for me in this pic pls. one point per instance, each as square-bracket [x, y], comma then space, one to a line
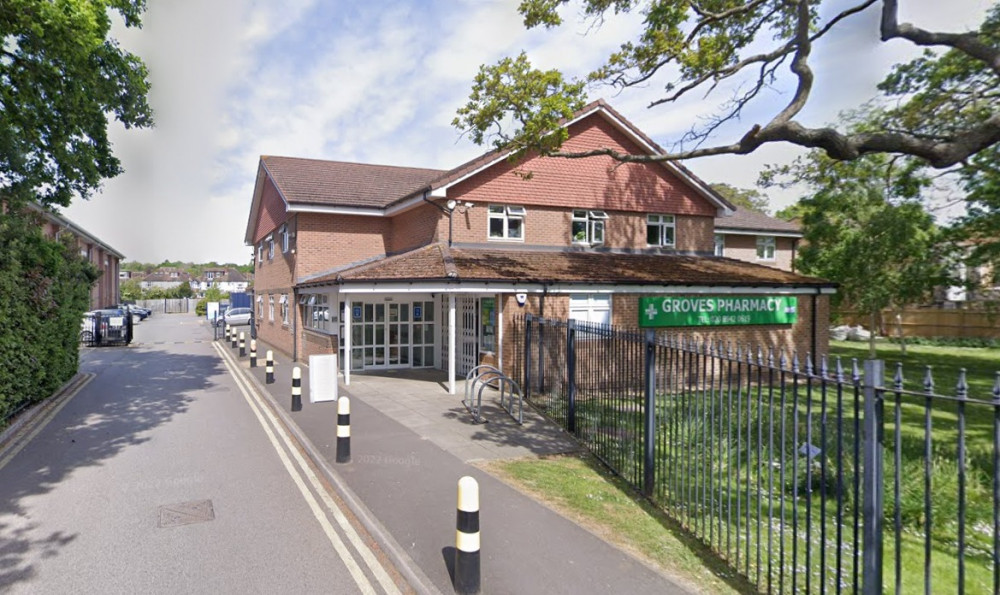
[296, 389]
[253, 353]
[343, 430]
[243, 345]
[269, 368]
[467, 566]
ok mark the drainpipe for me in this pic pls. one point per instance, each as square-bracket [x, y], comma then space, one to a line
[449, 212]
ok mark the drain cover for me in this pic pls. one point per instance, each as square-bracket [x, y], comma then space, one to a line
[186, 513]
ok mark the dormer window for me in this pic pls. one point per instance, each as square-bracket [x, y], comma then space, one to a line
[506, 222]
[588, 227]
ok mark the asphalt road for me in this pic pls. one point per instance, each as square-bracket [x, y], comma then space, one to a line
[162, 474]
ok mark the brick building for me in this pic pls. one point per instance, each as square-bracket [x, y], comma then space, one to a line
[399, 267]
[755, 237]
[106, 259]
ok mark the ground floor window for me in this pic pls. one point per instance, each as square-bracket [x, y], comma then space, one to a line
[488, 324]
[590, 307]
[316, 311]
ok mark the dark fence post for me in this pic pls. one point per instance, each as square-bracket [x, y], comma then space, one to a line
[873, 497]
[527, 357]
[571, 375]
[649, 441]
[541, 355]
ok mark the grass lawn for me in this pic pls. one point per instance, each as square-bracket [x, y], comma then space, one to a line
[581, 488]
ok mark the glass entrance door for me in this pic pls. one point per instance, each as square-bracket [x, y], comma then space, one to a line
[392, 335]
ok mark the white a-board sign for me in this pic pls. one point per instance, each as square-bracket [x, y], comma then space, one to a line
[322, 378]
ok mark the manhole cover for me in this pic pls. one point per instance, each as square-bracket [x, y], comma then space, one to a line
[186, 513]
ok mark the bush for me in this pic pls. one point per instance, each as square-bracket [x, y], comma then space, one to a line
[44, 291]
[983, 342]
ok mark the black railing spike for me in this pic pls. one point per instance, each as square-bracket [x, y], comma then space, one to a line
[897, 380]
[824, 369]
[749, 355]
[770, 357]
[840, 370]
[795, 362]
[783, 361]
[809, 364]
[729, 350]
[760, 356]
[929, 379]
[961, 387]
[855, 371]
[996, 388]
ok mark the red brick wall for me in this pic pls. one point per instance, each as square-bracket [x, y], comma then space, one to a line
[418, 227]
[327, 241]
[272, 210]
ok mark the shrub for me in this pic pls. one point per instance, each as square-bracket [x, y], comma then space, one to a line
[44, 290]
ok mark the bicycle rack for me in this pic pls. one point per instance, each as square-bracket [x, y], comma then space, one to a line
[489, 376]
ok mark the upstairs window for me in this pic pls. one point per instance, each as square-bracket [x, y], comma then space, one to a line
[506, 222]
[765, 247]
[660, 231]
[270, 247]
[284, 239]
[720, 244]
[260, 253]
[588, 227]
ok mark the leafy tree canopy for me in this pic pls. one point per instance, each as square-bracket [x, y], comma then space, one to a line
[866, 228]
[939, 111]
[750, 199]
[61, 78]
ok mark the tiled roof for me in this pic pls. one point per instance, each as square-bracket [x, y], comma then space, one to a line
[314, 181]
[338, 183]
[438, 262]
[747, 220]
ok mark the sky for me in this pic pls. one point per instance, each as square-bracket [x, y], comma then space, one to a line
[380, 82]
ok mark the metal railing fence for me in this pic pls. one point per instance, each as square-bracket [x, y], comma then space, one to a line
[790, 470]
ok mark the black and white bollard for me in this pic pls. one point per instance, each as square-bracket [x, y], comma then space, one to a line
[232, 338]
[467, 537]
[243, 345]
[253, 353]
[228, 330]
[343, 430]
[269, 368]
[296, 389]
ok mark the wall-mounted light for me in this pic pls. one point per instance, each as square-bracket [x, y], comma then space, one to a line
[451, 204]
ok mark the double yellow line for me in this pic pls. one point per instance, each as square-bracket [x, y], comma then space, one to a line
[301, 474]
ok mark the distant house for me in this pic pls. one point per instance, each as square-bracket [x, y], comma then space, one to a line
[165, 278]
[758, 238]
[227, 280]
[106, 259]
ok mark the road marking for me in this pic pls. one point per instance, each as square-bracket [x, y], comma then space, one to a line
[43, 421]
[366, 554]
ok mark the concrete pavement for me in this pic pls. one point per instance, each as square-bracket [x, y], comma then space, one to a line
[411, 442]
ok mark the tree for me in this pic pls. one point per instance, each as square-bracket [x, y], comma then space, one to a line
[130, 290]
[753, 200]
[183, 290]
[61, 77]
[698, 45]
[866, 228]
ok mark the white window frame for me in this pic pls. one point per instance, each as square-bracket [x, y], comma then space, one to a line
[505, 214]
[260, 307]
[719, 241]
[260, 253]
[593, 223]
[283, 302]
[270, 307]
[767, 248]
[662, 223]
[590, 307]
[284, 238]
[270, 246]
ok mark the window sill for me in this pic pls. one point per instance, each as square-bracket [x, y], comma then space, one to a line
[508, 240]
[320, 332]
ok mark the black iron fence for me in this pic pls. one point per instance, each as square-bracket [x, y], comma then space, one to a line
[804, 476]
[105, 328]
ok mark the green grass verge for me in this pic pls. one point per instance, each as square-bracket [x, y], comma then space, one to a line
[582, 489]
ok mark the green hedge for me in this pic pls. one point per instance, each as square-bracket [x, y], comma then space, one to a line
[986, 342]
[44, 290]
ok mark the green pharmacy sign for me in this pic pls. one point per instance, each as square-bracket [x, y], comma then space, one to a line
[716, 310]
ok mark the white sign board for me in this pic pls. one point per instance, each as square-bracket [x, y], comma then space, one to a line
[322, 378]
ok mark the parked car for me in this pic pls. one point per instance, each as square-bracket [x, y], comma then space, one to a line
[133, 306]
[237, 316]
[137, 313]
